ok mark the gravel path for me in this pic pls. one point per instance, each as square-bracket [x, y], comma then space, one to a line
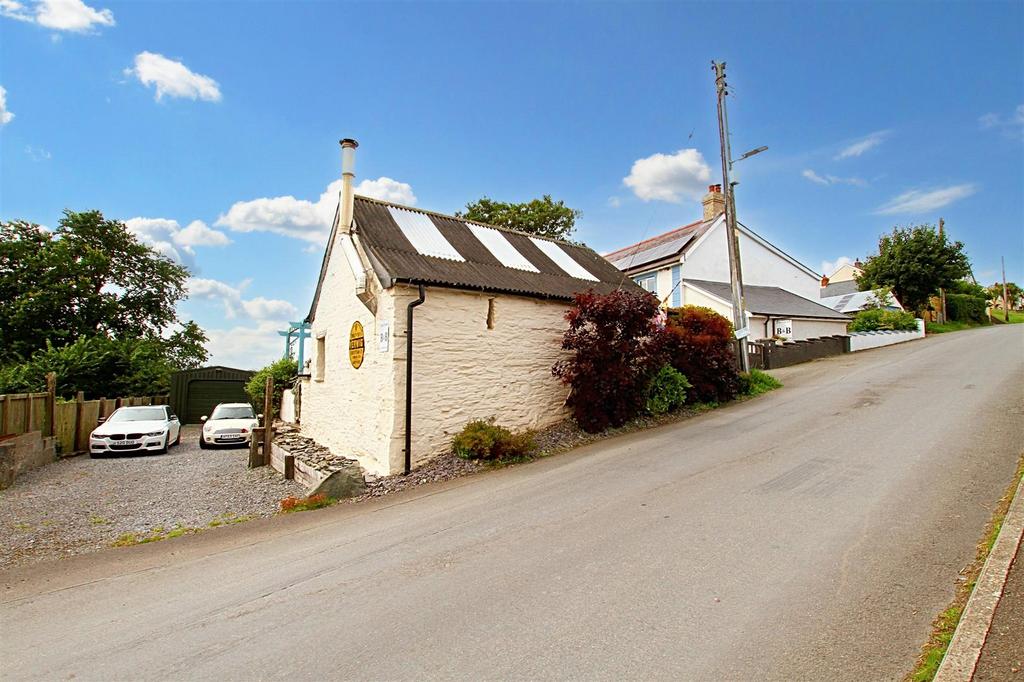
[79, 505]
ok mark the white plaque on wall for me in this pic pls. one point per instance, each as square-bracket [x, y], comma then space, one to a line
[383, 336]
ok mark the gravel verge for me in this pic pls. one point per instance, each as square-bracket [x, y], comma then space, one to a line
[79, 505]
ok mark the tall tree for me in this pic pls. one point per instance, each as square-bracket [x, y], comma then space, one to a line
[543, 217]
[89, 277]
[915, 262]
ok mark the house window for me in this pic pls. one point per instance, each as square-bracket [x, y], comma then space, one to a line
[321, 361]
[490, 313]
[648, 282]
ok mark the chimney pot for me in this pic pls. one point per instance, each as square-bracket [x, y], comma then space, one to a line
[348, 172]
[714, 202]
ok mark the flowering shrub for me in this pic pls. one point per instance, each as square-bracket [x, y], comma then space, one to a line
[483, 439]
[700, 344]
[874, 319]
[294, 504]
[667, 391]
[616, 351]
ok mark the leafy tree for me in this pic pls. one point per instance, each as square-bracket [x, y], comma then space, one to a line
[89, 277]
[186, 348]
[968, 288]
[915, 262]
[283, 372]
[1013, 294]
[542, 217]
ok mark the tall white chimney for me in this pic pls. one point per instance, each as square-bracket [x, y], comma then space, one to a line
[348, 173]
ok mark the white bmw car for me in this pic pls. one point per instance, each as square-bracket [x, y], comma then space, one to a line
[152, 428]
[228, 424]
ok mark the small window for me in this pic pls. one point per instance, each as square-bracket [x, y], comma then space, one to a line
[321, 361]
[490, 313]
[648, 282]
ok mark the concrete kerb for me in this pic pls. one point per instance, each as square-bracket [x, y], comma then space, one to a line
[960, 660]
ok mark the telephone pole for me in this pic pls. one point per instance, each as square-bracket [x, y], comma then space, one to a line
[942, 292]
[739, 316]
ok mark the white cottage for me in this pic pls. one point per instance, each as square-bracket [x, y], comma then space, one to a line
[690, 266]
[422, 322]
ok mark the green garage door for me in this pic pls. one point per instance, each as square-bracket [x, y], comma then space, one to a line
[204, 394]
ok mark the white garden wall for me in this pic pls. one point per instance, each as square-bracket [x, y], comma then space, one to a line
[866, 340]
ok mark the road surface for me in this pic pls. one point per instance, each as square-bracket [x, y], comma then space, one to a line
[810, 534]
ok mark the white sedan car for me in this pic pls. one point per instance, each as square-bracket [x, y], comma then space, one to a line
[152, 428]
[229, 424]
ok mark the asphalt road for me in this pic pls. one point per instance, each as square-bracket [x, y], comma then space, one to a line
[810, 534]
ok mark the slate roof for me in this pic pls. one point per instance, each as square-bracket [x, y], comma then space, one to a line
[466, 262]
[657, 248]
[839, 288]
[770, 301]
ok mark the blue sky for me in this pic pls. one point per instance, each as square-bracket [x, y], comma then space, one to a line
[215, 125]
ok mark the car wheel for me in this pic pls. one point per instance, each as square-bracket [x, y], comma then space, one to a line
[202, 443]
[163, 450]
[177, 441]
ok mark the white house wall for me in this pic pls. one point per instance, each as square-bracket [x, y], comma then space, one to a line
[710, 260]
[464, 371]
[351, 411]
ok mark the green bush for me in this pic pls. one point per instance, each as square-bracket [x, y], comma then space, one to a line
[667, 391]
[966, 308]
[283, 371]
[875, 319]
[483, 439]
[757, 382]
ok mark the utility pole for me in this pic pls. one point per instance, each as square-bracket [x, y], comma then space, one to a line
[942, 292]
[1006, 301]
[739, 316]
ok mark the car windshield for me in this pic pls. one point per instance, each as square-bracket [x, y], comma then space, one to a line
[233, 412]
[138, 414]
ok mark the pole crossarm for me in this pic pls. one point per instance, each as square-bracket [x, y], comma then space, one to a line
[295, 341]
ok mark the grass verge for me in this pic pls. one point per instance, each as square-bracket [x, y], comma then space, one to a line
[1016, 317]
[158, 533]
[951, 326]
[945, 623]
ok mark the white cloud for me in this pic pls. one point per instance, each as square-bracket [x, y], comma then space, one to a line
[1011, 126]
[614, 202]
[828, 267]
[863, 145]
[5, 115]
[670, 177]
[832, 179]
[60, 15]
[247, 347]
[235, 305]
[920, 201]
[38, 153]
[167, 237]
[172, 78]
[303, 219]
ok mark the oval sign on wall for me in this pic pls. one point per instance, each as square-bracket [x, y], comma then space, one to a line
[356, 345]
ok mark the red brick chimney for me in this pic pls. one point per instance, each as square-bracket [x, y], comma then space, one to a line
[714, 202]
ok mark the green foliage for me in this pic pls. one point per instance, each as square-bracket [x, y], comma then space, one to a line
[99, 366]
[915, 262]
[283, 372]
[542, 217]
[667, 391]
[756, 382]
[1014, 294]
[700, 344]
[483, 439]
[966, 308]
[876, 319]
[963, 286]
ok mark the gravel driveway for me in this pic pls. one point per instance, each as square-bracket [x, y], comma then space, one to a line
[79, 504]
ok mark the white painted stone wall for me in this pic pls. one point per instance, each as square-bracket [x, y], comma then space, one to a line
[351, 411]
[812, 329]
[288, 406]
[866, 340]
[464, 371]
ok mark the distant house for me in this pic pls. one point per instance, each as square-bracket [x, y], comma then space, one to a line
[478, 310]
[847, 272]
[690, 266]
[854, 302]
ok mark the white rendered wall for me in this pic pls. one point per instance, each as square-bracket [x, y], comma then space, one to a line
[761, 266]
[866, 340]
[352, 411]
[464, 371]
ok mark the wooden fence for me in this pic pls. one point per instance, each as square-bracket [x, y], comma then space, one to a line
[70, 422]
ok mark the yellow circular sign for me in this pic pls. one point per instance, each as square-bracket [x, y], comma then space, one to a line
[356, 345]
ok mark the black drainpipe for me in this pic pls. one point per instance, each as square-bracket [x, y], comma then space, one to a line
[408, 377]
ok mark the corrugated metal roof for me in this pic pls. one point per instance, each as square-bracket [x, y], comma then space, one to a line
[500, 248]
[423, 234]
[770, 300]
[561, 258]
[396, 258]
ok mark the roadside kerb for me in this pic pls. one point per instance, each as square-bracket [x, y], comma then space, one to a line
[969, 638]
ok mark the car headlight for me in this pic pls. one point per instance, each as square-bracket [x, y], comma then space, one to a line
[156, 433]
[208, 428]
